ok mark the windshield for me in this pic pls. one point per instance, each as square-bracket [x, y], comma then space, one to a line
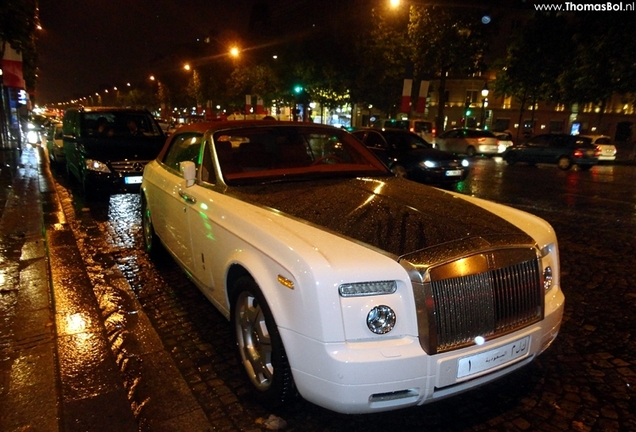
[260, 154]
[406, 141]
[119, 124]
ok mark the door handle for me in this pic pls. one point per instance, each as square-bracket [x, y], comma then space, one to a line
[187, 198]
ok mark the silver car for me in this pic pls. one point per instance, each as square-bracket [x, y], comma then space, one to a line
[471, 142]
[605, 146]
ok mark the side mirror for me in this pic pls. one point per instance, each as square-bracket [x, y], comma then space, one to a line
[188, 171]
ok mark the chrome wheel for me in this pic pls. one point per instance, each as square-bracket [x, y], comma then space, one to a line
[254, 341]
[399, 171]
[259, 346]
[564, 163]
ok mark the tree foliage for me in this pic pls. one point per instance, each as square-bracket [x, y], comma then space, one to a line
[446, 42]
[603, 61]
[534, 61]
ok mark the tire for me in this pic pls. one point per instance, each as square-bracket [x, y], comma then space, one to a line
[564, 163]
[399, 171]
[259, 346]
[151, 243]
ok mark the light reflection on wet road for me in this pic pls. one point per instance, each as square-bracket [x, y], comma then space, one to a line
[584, 382]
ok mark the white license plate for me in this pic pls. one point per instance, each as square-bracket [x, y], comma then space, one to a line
[491, 359]
[453, 173]
[133, 180]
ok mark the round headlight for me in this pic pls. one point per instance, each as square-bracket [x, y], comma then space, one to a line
[547, 278]
[381, 319]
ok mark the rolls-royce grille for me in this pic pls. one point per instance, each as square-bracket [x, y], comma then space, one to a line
[129, 167]
[487, 304]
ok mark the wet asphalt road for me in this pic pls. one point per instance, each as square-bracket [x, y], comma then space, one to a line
[585, 382]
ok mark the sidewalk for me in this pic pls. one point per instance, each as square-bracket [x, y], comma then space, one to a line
[28, 375]
[61, 369]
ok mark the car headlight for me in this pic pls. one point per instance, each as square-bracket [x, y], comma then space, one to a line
[381, 319]
[429, 164]
[359, 289]
[547, 278]
[465, 163]
[95, 165]
[32, 137]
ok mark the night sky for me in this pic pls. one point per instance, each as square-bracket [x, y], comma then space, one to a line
[87, 44]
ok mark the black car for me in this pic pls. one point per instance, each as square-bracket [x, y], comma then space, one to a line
[107, 148]
[409, 155]
[561, 149]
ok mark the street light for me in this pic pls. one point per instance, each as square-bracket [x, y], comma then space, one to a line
[484, 103]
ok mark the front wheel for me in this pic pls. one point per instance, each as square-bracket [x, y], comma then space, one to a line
[399, 171]
[260, 348]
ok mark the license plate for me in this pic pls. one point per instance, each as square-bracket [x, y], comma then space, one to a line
[491, 359]
[453, 173]
[133, 180]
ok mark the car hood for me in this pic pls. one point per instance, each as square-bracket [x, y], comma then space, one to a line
[129, 148]
[395, 215]
[428, 154]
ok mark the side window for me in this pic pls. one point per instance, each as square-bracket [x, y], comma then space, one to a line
[183, 147]
[374, 140]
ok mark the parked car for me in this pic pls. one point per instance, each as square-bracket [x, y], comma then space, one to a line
[504, 140]
[106, 149]
[605, 145]
[471, 142]
[561, 149]
[408, 155]
[359, 290]
[55, 144]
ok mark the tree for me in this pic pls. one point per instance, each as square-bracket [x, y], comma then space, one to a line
[382, 60]
[534, 61]
[446, 41]
[604, 60]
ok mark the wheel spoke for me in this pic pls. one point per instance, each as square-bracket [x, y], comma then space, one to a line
[254, 342]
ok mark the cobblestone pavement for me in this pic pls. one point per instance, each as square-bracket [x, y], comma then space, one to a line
[585, 382]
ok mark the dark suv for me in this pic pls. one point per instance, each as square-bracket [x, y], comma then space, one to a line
[107, 148]
[561, 149]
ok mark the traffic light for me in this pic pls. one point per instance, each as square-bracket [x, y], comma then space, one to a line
[298, 89]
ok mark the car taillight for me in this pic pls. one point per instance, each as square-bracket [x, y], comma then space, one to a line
[412, 129]
[578, 153]
[434, 132]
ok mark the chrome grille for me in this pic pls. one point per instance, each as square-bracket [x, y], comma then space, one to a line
[487, 304]
[129, 167]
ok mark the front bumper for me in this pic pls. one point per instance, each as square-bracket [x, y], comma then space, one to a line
[365, 377]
